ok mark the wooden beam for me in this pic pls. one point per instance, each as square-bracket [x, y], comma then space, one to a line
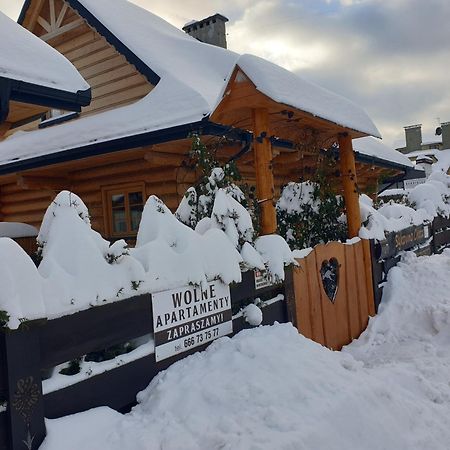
[44, 24]
[42, 183]
[29, 25]
[52, 14]
[4, 127]
[265, 189]
[164, 159]
[62, 14]
[349, 183]
[58, 32]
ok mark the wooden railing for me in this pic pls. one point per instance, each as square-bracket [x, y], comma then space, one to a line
[40, 345]
[425, 239]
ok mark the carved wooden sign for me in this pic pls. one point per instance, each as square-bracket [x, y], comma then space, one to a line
[329, 273]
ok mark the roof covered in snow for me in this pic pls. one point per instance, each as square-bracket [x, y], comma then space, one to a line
[192, 79]
[371, 147]
[24, 57]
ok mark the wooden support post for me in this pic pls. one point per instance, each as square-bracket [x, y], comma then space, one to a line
[265, 188]
[349, 182]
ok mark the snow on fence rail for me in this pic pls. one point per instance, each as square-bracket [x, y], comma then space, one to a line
[425, 239]
[43, 344]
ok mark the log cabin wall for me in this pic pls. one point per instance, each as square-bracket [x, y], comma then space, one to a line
[163, 170]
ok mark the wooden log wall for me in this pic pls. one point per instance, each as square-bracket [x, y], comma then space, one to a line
[162, 169]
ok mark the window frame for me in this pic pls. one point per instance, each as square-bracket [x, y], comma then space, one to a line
[116, 189]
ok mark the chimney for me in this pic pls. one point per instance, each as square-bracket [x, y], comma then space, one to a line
[413, 134]
[425, 162]
[211, 30]
[445, 135]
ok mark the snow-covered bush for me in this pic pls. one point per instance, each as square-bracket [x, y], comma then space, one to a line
[21, 293]
[310, 213]
[173, 254]
[217, 198]
[80, 268]
[432, 196]
[422, 204]
[387, 218]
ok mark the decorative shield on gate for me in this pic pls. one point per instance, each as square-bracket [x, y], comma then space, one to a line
[329, 273]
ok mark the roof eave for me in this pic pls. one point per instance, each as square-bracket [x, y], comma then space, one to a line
[125, 143]
[35, 94]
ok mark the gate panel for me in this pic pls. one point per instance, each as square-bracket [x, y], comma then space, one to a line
[333, 293]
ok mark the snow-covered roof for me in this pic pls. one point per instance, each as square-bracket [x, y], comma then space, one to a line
[375, 148]
[193, 77]
[431, 152]
[285, 87]
[25, 57]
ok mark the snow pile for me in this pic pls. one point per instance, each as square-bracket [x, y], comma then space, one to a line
[414, 313]
[173, 254]
[253, 315]
[426, 201]
[80, 269]
[25, 57]
[21, 293]
[270, 388]
[443, 161]
[17, 230]
[432, 196]
[389, 217]
[276, 254]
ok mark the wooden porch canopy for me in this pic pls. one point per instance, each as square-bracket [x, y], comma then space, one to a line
[244, 106]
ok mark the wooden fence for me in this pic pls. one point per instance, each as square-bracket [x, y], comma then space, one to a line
[40, 345]
[425, 239]
[334, 293]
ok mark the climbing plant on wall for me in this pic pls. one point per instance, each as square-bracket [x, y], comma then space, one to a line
[199, 200]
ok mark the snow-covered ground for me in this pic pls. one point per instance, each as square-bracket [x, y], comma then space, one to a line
[270, 388]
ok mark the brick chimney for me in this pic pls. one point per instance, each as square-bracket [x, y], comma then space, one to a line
[445, 135]
[211, 30]
[413, 134]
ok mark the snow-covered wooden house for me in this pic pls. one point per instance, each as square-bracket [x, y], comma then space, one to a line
[33, 78]
[152, 87]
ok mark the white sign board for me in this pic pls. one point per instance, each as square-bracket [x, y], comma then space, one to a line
[263, 279]
[409, 184]
[188, 317]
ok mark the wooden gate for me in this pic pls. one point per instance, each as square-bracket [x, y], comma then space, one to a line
[334, 293]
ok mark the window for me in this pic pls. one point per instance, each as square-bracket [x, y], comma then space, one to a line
[124, 206]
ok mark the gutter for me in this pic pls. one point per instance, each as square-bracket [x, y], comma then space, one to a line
[126, 143]
[35, 94]
[5, 94]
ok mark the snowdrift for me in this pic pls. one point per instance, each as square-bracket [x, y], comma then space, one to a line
[270, 388]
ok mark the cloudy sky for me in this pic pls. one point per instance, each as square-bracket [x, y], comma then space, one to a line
[391, 57]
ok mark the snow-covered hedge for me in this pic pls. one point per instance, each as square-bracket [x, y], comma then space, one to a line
[423, 203]
[79, 269]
